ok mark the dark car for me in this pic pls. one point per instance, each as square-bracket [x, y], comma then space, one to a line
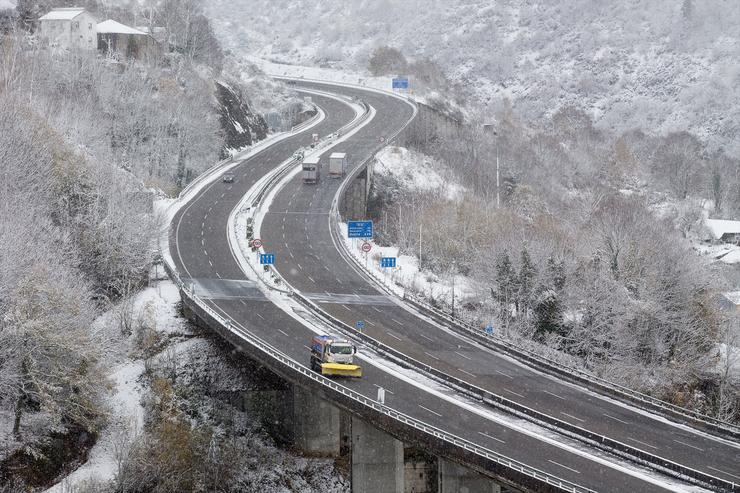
[228, 178]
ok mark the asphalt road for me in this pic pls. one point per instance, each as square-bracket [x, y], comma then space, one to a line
[201, 252]
[297, 230]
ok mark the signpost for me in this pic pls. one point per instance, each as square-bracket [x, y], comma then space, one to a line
[366, 247]
[256, 243]
[388, 262]
[489, 330]
[360, 324]
[267, 258]
[360, 229]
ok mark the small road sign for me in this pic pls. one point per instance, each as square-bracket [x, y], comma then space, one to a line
[489, 330]
[400, 83]
[256, 243]
[389, 262]
[267, 258]
[366, 247]
[360, 324]
[360, 229]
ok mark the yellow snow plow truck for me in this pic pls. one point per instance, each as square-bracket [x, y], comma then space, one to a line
[332, 356]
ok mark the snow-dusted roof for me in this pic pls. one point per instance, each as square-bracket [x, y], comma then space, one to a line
[733, 296]
[112, 27]
[721, 227]
[338, 155]
[65, 14]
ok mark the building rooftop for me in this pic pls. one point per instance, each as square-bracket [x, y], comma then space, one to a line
[720, 227]
[112, 27]
[64, 14]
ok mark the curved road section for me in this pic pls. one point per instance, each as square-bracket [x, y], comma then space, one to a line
[200, 250]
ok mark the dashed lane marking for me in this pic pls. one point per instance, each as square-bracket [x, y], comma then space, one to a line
[431, 356]
[723, 472]
[427, 409]
[615, 419]
[394, 336]
[646, 444]
[512, 392]
[573, 417]
[564, 467]
[463, 355]
[283, 332]
[689, 445]
[491, 437]
[467, 373]
[555, 395]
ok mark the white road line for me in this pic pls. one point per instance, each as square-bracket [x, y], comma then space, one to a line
[394, 336]
[461, 354]
[210, 263]
[205, 216]
[283, 332]
[399, 323]
[327, 268]
[466, 372]
[554, 395]
[427, 409]
[370, 322]
[291, 254]
[689, 445]
[638, 441]
[203, 241]
[512, 392]
[347, 308]
[504, 374]
[243, 302]
[616, 419]
[491, 437]
[565, 467]
[311, 279]
[573, 417]
[431, 356]
[299, 265]
[425, 337]
[218, 275]
[377, 309]
[260, 316]
[202, 225]
[339, 281]
[723, 472]
[383, 388]
[204, 251]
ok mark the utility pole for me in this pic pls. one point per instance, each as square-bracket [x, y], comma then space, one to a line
[453, 290]
[498, 184]
[420, 223]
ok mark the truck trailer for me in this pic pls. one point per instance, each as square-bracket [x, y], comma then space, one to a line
[334, 356]
[311, 169]
[337, 164]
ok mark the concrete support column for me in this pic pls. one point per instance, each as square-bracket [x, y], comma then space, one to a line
[316, 424]
[454, 478]
[377, 460]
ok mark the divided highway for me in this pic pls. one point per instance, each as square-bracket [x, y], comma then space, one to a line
[298, 233]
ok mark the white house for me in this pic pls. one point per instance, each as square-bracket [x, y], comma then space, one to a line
[69, 28]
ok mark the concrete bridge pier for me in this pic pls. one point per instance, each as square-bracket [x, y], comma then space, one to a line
[377, 460]
[454, 478]
[316, 424]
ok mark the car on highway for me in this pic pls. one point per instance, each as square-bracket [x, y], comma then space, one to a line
[228, 178]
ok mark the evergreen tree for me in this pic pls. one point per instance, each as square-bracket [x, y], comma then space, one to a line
[548, 307]
[526, 283]
[506, 285]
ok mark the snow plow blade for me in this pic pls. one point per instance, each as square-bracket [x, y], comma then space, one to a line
[338, 370]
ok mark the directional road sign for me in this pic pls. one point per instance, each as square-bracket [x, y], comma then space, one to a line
[366, 247]
[360, 229]
[360, 324]
[389, 262]
[489, 330]
[400, 83]
[267, 258]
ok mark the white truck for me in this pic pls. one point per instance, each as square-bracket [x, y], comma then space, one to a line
[334, 356]
[337, 164]
[311, 169]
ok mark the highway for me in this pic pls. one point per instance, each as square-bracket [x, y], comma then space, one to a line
[311, 264]
[297, 232]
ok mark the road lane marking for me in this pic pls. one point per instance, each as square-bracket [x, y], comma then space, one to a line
[512, 392]
[311, 279]
[427, 409]
[422, 335]
[299, 265]
[339, 281]
[399, 323]
[370, 322]
[346, 308]
[283, 332]
[573, 417]
[210, 263]
[461, 354]
[394, 336]
[723, 472]
[565, 467]
[554, 395]
[383, 388]
[689, 445]
[377, 309]
[202, 241]
[504, 374]
[219, 275]
[491, 437]
[260, 316]
[646, 444]
[466, 372]
[616, 419]
[431, 356]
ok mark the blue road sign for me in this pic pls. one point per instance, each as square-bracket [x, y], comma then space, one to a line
[489, 330]
[360, 229]
[267, 258]
[400, 83]
[360, 324]
[388, 262]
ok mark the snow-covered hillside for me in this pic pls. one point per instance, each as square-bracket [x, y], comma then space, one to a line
[7, 4]
[661, 65]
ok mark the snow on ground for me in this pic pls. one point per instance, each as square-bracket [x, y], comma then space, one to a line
[7, 4]
[729, 254]
[416, 171]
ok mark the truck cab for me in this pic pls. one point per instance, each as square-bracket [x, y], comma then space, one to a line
[334, 356]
